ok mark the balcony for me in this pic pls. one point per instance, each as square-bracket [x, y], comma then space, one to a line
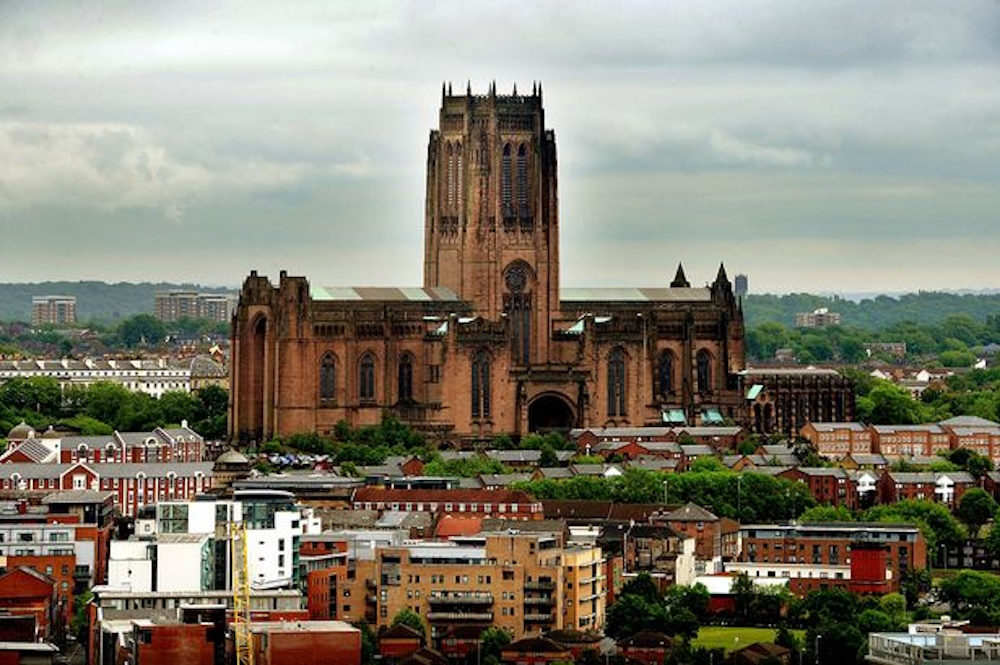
[539, 617]
[541, 585]
[460, 598]
[370, 598]
[370, 584]
[540, 601]
[460, 616]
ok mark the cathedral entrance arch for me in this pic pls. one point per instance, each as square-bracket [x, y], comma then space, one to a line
[550, 412]
[255, 385]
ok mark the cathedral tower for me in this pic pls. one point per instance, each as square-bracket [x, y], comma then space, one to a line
[491, 228]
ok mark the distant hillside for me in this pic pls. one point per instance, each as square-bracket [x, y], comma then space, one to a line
[873, 313]
[97, 302]
[101, 302]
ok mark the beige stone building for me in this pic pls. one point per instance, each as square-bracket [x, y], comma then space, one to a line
[525, 583]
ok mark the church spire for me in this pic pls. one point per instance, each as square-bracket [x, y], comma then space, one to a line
[722, 278]
[680, 280]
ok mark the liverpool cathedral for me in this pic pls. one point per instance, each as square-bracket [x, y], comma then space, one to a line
[490, 343]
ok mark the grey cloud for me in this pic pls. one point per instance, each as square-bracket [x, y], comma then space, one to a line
[293, 136]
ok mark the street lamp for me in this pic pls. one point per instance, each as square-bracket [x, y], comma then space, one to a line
[739, 496]
[666, 491]
[818, 636]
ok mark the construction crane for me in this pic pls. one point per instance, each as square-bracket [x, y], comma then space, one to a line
[240, 568]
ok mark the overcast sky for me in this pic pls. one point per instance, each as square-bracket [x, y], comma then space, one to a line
[834, 147]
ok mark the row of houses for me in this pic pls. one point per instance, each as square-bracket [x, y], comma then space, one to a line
[153, 377]
[176, 444]
[837, 439]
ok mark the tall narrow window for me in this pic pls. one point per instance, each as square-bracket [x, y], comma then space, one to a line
[704, 371]
[517, 306]
[481, 385]
[458, 178]
[506, 199]
[405, 378]
[328, 378]
[522, 183]
[450, 177]
[366, 378]
[616, 383]
[664, 375]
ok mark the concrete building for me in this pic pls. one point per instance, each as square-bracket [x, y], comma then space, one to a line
[53, 310]
[944, 647]
[191, 550]
[153, 377]
[820, 318]
[175, 305]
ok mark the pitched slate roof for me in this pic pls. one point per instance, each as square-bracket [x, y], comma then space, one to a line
[379, 495]
[690, 512]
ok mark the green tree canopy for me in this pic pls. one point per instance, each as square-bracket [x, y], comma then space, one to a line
[975, 509]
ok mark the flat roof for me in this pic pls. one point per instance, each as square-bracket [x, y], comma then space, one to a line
[383, 293]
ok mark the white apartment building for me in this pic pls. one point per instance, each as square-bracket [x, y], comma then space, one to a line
[191, 547]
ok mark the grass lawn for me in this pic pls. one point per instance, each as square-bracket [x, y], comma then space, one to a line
[734, 637]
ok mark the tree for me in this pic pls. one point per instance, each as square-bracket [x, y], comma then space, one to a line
[743, 591]
[491, 644]
[827, 514]
[141, 329]
[972, 590]
[107, 402]
[937, 524]
[894, 606]
[409, 618]
[369, 642]
[37, 393]
[632, 613]
[177, 405]
[889, 404]
[975, 509]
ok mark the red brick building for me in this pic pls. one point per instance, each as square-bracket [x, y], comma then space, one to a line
[171, 642]
[509, 504]
[827, 485]
[945, 487]
[305, 643]
[324, 560]
[133, 485]
[26, 592]
[874, 557]
[837, 439]
[647, 646]
[535, 651]
[490, 343]
[399, 641]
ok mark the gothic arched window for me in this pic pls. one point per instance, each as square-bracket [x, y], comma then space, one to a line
[506, 201]
[405, 378]
[616, 383]
[450, 177]
[517, 307]
[704, 371]
[366, 377]
[522, 182]
[456, 203]
[328, 378]
[481, 385]
[664, 375]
